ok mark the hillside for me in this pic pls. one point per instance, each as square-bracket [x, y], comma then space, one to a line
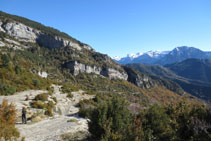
[192, 75]
[155, 70]
[45, 49]
[195, 69]
[35, 57]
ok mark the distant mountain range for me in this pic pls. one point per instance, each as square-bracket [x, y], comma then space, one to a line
[164, 57]
[193, 75]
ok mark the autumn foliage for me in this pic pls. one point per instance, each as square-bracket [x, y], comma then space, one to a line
[7, 121]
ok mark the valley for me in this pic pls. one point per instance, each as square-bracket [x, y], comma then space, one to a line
[73, 92]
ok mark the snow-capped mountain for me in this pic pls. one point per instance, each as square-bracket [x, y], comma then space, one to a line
[146, 58]
[116, 58]
[182, 53]
[178, 54]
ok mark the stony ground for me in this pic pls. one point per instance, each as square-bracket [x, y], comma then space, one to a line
[64, 122]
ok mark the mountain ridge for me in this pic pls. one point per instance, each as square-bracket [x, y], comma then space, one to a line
[164, 57]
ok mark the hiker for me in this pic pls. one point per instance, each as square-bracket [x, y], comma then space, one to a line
[24, 119]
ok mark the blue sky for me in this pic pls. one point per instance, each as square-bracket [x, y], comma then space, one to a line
[119, 27]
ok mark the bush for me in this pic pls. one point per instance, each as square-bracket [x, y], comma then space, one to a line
[7, 89]
[50, 90]
[49, 111]
[36, 82]
[157, 123]
[69, 88]
[38, 104]
[49, 108]
[69, 95]
[111, 120]
[41, 97]
[85, 112]
[5, 60]
[86, 107]
[18, 70]
[7, 121]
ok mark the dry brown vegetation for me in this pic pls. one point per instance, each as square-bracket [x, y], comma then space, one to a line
[7, 121]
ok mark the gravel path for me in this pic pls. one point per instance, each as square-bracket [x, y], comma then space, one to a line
[51, 129]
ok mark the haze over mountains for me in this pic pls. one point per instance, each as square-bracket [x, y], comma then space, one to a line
[164, 57]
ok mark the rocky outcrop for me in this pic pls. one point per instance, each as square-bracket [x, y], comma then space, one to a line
[76, 68]
[145, 81]
[140, 80]
[25, 33]
[20, 31]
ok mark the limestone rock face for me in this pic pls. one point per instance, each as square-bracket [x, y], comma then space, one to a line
[145, 81]
[76, 68]
[140, 80]
[25, 33]
[21, 32]
[112, 74]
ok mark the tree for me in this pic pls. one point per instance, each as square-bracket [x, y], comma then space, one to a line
[7, 121]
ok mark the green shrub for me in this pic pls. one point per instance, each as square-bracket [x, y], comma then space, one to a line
[5, 60]
[36, 82]
[50, 90]
[85, 112]
[41, 97]
[86, 107]
[7, 89]
[38, 104]
[49, 111]
[69, 95]
[111, 120]
[67, 88]
[158, 122]
[49, 108]
[18, 70]
[50, 104]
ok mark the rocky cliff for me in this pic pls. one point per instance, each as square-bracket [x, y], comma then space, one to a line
[76, 68]
[25, 33]
[145, 81]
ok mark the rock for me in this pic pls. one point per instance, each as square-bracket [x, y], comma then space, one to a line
[1, 29]
[140, 80]
[2, 44]
[25, 33]
[112, 74]
[144, 81]
[76, 68]
[12, 41]
[21, 32]
[43, 74]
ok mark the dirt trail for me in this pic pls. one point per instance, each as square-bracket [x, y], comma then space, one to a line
[52, 128]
